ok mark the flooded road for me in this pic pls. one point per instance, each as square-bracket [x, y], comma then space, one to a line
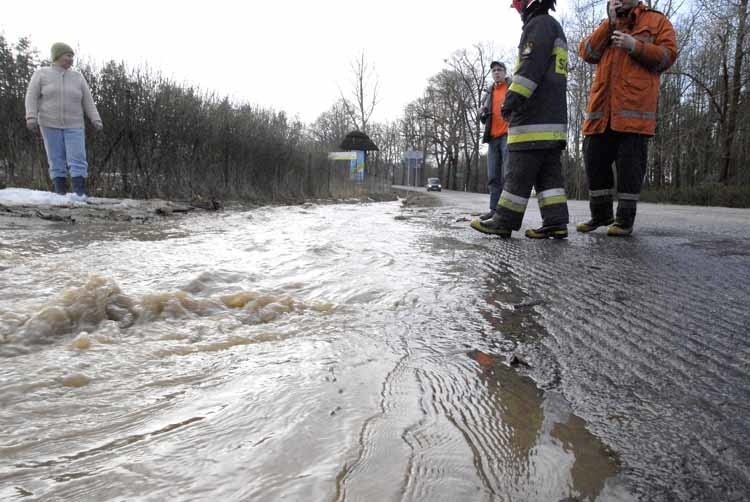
[359, 352]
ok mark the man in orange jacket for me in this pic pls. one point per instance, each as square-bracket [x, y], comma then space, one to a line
[495, 134]
[631, 48]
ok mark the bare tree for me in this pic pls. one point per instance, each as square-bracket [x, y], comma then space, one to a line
[445, 111]
[388, 138]
[363, 94]
[332, 125]
[473, 68]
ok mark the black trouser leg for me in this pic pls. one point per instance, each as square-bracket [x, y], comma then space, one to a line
[599, 153]
[550, 190]
[523, 168]
[632, 158]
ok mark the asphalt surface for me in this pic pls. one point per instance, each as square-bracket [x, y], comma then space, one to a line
[647, 337]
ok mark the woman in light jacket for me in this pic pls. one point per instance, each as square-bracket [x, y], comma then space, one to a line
[56, 100]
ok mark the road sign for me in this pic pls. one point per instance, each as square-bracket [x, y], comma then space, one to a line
[342, 155]
[413, 155]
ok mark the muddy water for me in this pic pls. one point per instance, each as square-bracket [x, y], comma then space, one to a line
[332, 353]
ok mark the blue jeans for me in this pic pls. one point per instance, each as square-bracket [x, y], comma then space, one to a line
[66, 148]
[497, 168]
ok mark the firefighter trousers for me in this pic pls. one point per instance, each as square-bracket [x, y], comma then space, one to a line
[629, 153]
[527, 169]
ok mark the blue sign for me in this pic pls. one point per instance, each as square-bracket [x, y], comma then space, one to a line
[357, 167]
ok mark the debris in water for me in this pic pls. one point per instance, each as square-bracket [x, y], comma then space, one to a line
[22, 492]
[82, 341]
[485, 360]
[75, 380]
[516, 361]
[528, 304]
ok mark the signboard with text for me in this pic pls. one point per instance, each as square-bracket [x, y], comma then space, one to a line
[342, 155]
[414, 161]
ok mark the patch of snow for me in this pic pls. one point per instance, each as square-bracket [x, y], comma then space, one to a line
[129, 203]
[28, 197]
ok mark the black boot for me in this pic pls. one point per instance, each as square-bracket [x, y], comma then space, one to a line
[60, 185]
[491, 226]
[79, 185]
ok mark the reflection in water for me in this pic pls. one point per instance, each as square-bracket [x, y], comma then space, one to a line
[590, 469]
[545, 452]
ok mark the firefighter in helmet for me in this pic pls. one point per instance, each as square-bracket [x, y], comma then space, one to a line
[536, 108]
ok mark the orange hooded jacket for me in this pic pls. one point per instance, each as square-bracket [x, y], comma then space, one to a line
[625, 90]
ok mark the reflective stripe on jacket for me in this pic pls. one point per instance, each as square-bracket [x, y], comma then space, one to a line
[625, 90]
[537, 96]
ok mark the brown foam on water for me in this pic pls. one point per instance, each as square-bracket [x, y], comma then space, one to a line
[99, 310]
[107, 334]
[177, 305]
[77, 309]
[216, 346]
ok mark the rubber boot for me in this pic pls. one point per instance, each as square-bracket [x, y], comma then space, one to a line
[619, 229]
[79, 185]
[60, 185]
[549, 231]
[592, 224]
[491, 226]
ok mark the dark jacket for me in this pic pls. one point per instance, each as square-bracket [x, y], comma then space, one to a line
[485, 114]
[537, 98]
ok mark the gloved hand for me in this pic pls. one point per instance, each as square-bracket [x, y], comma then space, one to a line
[506, 114]
[623, 40]
[32, 124]
[98, 125]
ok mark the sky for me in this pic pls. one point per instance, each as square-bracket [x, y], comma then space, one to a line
[294, 56]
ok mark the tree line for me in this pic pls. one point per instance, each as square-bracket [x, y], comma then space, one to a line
[165, 139]
[701, 151]
[174, 140]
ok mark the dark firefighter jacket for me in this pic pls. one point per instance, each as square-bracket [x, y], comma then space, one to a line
[625, 90]
[536, 97]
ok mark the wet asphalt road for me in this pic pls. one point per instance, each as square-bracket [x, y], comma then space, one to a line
[648, 337]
